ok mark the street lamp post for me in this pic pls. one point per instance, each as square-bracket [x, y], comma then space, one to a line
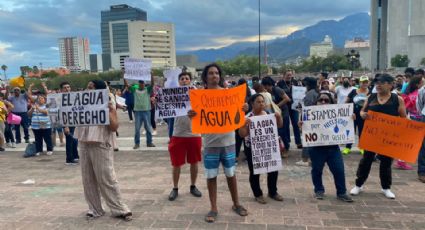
[259, 39]
[353, 57]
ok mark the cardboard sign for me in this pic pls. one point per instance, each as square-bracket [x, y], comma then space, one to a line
[172, 102]
[84, 108]
[298, 94]
[327, 125]
[137, 69]
[265, 144]
[392, 136]
[172, 76]
[218, 110]
[53, 104]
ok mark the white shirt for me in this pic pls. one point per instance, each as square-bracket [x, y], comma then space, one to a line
[342, 93]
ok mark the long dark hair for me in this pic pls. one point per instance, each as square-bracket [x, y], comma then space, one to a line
[414, 84]
[253, 97]
[204, 75]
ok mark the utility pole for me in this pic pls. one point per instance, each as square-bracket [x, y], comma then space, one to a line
[259, 39]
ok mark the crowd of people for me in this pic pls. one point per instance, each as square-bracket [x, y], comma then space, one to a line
[93, 146]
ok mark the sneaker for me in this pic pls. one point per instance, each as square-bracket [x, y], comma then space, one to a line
[388, 194]
[346, 151]
[154, 133]
[2, 149]
[8, 144]
[261, 200]
[13, 145]
[71, 163]
[144, 132]
[302, 163]
[116, 150]
[131, 121]
[421, 178]
[136, 146]
[49, 153]
[151, 145]
[276, 197]
[345, 198]
[194, 191]
[299, 146]
[319, 195]
[173, 194]
[77, 160]
[39, 153]
[356, 190]
[402, 165]
[361, 151]
[27, 141]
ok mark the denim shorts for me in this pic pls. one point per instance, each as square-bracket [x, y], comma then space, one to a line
[214, 155]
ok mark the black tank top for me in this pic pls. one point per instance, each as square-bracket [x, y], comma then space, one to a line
[390, 107]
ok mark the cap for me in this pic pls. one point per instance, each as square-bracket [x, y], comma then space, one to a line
[142, 82]
[16, 88]
[385, 78]
[363, 78]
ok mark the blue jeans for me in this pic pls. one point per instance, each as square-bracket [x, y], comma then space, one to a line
[71, 146]
[170, 123]
[294, 115]
[24, 123]
[421, 157]
[332, 156]
[142, 117]
[284, 132]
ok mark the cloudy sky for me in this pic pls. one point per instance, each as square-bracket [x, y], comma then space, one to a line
[30, 28]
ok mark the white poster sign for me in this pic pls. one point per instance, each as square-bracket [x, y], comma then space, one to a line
[120, 100]
[172, 76]
[53, 104]
[298, 94]
[327, 125]
[137, 69]
[172, 102]
[84, 108]
[265, 144]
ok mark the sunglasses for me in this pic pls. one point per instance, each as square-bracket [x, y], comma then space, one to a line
[324, 100]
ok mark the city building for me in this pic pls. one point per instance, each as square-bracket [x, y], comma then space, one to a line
[74, 53]
[146, 40]
[97, 60]
[397, 28]
[126, 33]
[323, 48]
[362, 47]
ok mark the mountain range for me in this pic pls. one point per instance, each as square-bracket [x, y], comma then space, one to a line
[297, 43]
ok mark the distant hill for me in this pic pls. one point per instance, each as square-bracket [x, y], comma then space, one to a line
[297, 43]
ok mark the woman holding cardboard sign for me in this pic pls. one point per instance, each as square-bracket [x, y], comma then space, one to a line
[331, 155]
[219, 148]
[258, 109]
[388, 103]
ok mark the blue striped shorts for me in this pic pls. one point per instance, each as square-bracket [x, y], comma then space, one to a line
[214, 155]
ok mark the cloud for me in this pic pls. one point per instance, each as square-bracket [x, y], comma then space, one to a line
[31, 28]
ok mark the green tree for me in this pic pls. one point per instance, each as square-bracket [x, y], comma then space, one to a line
[35, 69]
[4, 68]
[50, 74]
[400, 61]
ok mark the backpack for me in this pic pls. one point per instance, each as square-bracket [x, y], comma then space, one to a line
[30, 150]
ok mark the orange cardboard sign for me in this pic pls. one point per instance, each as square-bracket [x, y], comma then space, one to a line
[217, 110]
[392, 136]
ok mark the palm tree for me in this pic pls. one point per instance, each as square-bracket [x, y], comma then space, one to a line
[4, 68]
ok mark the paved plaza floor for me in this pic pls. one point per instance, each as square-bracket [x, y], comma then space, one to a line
[56, 200]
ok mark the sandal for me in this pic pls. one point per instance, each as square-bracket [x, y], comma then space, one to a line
[126, 217]
[240, 210]
[211, 217]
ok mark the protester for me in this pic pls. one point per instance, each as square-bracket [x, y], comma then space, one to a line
[184, 146]
[331, 155]
[286, 84]
[8, 134]
[97, 166]
[129, 101]
[258, 109]
[358, 97]
[343, 90]
[239, 140]
[3, 115]
[219, 148]
[420, 106]
[20, 108]
[41, 125]
[322, 77]
[71, 143]
[142, 110]
[410, 97]
[388, 103]
[408, 73]
[399, 80]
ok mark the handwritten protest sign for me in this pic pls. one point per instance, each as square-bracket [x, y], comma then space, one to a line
[172, 76]
[120, 100]
[137, 69]
[392, 136]
[298, 94]
[172, 102]
[327, 125]
[264, 144]
[84, 108]
[218, 110]
[53, 104]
